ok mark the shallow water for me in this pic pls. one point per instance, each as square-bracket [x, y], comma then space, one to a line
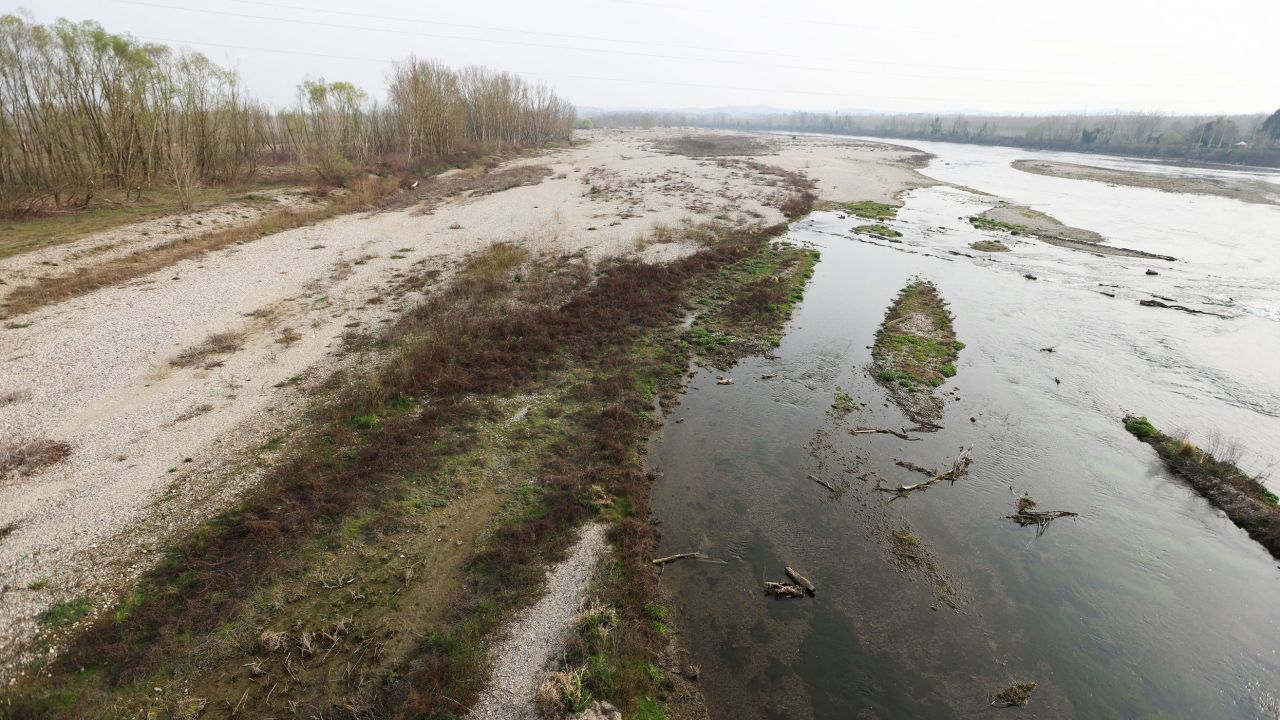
[1150, 604]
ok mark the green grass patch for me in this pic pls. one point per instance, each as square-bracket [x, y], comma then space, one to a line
[989, 246]
[985, 223]
[878, 230]
[870, 210]
[1140, 427]
[843, 403]
[64, 613]
[749, 302]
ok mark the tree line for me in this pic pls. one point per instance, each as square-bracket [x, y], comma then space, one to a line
[1238, 139]
[85, 112]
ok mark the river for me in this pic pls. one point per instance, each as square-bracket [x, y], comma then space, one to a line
[1149, 604]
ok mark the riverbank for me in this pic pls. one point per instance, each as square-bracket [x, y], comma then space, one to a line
[1244, 499]
[485, 483]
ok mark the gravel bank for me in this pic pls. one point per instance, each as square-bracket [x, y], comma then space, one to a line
[538, 633]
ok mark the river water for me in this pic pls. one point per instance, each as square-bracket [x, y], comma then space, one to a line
[1149, 604]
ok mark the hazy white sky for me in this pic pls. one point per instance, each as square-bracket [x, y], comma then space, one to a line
[935, 55]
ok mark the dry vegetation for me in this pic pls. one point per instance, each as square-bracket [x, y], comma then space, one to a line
[26, 456]
[715, 145]
[223, 343]
[416, 434]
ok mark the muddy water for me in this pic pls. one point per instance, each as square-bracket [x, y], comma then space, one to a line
[1150, 604]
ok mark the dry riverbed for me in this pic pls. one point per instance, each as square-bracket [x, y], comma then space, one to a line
[179, 394]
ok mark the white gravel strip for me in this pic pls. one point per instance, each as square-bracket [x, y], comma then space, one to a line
[538, 633]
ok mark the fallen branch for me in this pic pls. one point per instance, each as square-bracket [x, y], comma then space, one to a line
[801, 580]
[1183, 308]
[871, 431]
[959, 468]
[823, 483]
[915, 468]
[678, 556]
[905, 490]
[1027, 515]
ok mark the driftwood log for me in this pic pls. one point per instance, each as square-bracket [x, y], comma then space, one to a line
[1183, 308]
[801, 580]
[872, 431]
[678, 556]
[785, 590]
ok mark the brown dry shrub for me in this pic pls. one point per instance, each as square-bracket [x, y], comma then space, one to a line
[223, 343]
[715, 145]
[798, 204]
[9, 397]
[27, 456]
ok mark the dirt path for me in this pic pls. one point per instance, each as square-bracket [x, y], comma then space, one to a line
[155, 447]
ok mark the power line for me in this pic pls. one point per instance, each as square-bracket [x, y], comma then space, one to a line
[318, 23]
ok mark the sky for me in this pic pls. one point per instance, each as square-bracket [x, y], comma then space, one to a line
[1000, 56]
